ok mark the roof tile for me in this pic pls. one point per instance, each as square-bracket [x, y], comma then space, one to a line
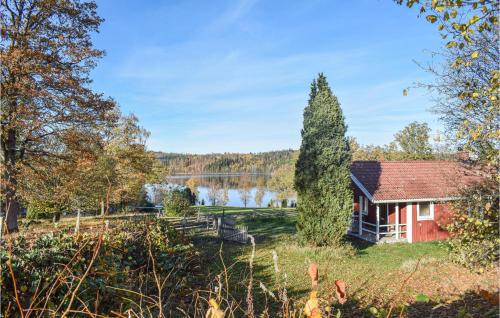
[416, 179]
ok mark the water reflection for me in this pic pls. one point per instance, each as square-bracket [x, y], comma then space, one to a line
[238, 190]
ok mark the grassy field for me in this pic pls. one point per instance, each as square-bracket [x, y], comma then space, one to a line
[375, 274]
[236, 210]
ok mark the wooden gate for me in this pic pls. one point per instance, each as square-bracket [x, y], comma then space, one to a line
[228, 230]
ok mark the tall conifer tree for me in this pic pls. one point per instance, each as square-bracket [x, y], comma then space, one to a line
[322, 177]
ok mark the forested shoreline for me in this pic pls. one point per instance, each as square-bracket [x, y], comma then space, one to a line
[258, 163]
[413, 142]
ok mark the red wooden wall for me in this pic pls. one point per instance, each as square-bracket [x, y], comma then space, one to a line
[427, 230]
[430, 230]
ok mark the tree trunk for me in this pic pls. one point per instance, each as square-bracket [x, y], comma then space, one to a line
[9, 180]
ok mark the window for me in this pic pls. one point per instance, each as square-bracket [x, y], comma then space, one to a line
[425, 211]
[363, 204]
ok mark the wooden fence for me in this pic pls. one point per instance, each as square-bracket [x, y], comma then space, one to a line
[225, 226]
[205, 222]
[228, 230]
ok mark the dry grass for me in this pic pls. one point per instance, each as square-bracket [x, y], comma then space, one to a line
[374, 273]
[271, 277]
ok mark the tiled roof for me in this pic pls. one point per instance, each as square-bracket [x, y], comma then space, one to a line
[416, 179]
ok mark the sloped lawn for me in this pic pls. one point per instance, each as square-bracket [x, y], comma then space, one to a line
[376, 275]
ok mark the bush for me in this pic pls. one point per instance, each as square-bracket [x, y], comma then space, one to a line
[475, 241]
[178, 202]
[122, 276]
[40, 210]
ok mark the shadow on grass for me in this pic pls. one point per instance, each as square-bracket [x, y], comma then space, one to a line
[358, 244]
[235, 257]
[269, 228]
[236, 260]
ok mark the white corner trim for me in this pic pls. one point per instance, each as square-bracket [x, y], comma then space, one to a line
[361, 187]
[425, 218]
[363, 205]
[409, 222]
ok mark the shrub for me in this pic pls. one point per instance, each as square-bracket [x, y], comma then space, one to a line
[40, 210]
[475, 241]
[123, 275]
[178, 202]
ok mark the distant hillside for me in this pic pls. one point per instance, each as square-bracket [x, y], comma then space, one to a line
[262, 162]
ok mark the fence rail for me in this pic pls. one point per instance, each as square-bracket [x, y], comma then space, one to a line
[224, 225]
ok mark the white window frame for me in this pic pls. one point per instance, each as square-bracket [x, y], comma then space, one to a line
[363, 205]
[425, 218]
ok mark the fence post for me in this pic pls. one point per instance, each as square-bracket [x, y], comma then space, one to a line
[360, 221]
[219, 226]
[77, 226]
[397, 221]
[102, 207]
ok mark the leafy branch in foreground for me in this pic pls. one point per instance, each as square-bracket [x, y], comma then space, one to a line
[467, 81]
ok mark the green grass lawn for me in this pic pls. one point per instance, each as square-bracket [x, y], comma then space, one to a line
[375, 274]
[235, 210]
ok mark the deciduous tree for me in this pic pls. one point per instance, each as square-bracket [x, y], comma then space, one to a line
[414, 141]
[281, 182]
[47, 55]
[467, 74]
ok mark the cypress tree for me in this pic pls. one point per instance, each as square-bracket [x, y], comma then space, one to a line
[322, 170]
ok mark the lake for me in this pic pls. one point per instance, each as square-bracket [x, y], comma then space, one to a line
[233, 188]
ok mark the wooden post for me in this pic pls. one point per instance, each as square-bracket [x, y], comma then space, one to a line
[360, 221]
[397, 221]
[102, 208]
[77, 226]
[378, 222]
[219, 226]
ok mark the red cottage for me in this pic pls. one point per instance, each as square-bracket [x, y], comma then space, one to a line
[405, 200]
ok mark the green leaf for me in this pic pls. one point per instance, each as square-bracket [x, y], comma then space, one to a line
[473, 20]
[451, 44]
[439, 8]
[421, 298]
[453, 13]
[431, 18]
[373, 311]
[474, 55]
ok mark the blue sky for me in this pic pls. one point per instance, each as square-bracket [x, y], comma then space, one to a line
[234, 75]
